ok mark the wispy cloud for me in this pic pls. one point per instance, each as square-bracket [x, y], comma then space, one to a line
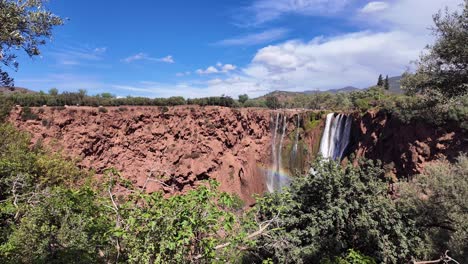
[145, 57]
[167, 59]
[182, 74]
[372, 7]
[78, 55]
[219, 68]
[66, 82]
[262, 11]
[209, 70]
[255, 38]
[136, 57]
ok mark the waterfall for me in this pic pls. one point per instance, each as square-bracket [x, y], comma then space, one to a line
[297, 135]
[280, 156]
[272, 173]
[335, 137]
[275, 179]
[325, 142]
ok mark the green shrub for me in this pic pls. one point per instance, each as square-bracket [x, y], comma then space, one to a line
[5, 108]
[27, 114]
[437, 202]
[164, 109]
[103, 110]
[363, 104]
[333, 210]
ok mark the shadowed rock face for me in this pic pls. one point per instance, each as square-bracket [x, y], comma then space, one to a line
[405, 148]
[175, 147]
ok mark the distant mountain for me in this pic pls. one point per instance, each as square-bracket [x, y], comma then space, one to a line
[346, 89]
[394, 83]
[11, 90]
[282, 95]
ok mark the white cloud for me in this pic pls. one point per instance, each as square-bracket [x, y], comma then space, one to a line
[182, 74]
[209, 70]
[167, 59]
[136, 57]
[395, 37]
[256, 38]
[408, 15]
[145, 57]
[219, 68]
[228, 68]
[324, 63]
[372, 7]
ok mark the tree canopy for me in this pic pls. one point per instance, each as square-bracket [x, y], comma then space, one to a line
[24, 25]
[442, 72]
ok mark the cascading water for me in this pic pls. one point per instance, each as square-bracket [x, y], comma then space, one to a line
[272, 173]
[276, 179]
[296, 140]
[280, 156]
[336, 136]
[297, 135]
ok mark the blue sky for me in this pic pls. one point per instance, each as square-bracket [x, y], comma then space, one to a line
[209, 48]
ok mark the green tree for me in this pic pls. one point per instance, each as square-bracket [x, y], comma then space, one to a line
[331, 211]
[107, 95]
[243, 98]
[272, 102]
[182, 228]
[442, 72]
[437, 201]
[53, 91]
[61, 226]
[380, 81]
[25, 25]
[386, 83]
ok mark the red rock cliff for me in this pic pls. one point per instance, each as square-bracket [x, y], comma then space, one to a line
[175, 147]
[405, 148]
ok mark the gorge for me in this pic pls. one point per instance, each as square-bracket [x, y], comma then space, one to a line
[249, 150]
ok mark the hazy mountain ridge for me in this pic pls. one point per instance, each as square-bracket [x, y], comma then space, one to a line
[394, 83]
[12, 90]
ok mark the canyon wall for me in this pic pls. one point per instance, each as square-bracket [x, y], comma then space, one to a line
[247, 150]
[404, 148]
[173, 149]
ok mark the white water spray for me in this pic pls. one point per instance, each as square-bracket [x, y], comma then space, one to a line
[336, 136]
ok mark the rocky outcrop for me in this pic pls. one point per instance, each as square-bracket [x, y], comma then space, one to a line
[404, 148]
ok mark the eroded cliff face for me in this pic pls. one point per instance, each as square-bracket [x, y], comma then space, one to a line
[405, 149]
[173, 149]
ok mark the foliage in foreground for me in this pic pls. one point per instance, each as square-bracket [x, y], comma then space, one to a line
[333, 215]
[438, 202]
[339, 215]
[333, 210]
[46, 218]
